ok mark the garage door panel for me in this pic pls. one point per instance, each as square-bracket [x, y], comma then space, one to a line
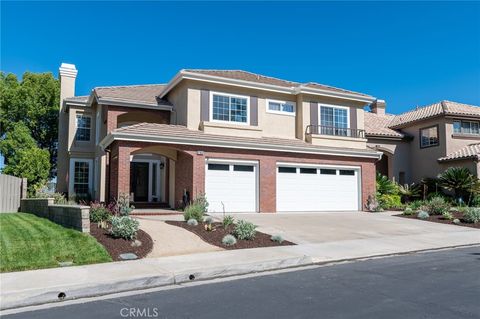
[317, 192]
[235, 187]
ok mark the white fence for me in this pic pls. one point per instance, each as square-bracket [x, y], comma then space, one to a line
[12, 190]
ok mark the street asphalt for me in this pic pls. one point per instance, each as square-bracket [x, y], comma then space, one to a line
[442, 284]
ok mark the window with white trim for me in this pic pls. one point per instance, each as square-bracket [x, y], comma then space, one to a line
[229, 108]
[81, 177]
[281, 107]
[429, 136]
[333, 120]
[83, 126]
[466, 127]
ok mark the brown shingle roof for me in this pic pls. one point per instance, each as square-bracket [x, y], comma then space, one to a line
[469, 151]
[258, 78]
[143, 94]
[436, 109]
[158, 130]
[378, 125]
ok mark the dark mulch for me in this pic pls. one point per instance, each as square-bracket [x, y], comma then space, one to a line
[442, 220]
[117, 246]
[215, 236]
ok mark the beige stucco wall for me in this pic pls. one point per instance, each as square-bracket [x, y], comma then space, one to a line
[457, 141]
[398, 154]
[178, 97]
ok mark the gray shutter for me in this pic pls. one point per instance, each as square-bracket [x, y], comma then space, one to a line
[353, 117]
[314, 114]
[205, 105]
[253, 111]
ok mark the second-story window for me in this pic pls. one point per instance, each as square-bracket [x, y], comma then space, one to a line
[281, 107]
[333, 120]
[429, 136]
[83, 126]
[466, 127]
[229, 108]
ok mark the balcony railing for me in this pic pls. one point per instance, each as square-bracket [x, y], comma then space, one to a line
[334, 131]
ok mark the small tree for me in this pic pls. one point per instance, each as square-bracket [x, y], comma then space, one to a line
[385, 186]
[460, 181]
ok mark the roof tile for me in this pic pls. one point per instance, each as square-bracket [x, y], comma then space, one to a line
[469, 151]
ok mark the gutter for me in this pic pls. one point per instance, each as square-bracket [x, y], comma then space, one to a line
[116, 136]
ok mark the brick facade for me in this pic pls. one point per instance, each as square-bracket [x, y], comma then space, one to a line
[190, 168]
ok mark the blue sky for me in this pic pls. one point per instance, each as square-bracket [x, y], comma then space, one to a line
[407, 53]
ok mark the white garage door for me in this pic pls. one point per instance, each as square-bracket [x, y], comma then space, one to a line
[232, 183]
[317, 188]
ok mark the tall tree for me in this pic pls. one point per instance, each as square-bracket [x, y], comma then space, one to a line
[33, 101]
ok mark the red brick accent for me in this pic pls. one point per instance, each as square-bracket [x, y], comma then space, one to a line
[190, 168]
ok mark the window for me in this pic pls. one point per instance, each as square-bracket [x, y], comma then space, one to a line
[429, 136]
[281, 107]
[347, 172]
[466, 127]
[218, 167]
[243, 168]
[326, 171]
[305, 170]
[333, 120]
[83, 128]
[81, 178]
[229, 108]
[287, 170]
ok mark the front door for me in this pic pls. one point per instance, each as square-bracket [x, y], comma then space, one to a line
[139, 181]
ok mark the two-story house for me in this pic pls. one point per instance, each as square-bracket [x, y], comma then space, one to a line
[251, 143]
[425, 141]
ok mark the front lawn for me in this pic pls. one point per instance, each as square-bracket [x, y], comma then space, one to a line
[29, 242]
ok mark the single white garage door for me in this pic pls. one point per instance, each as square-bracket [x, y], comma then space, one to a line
[320, 188]
[233, 184]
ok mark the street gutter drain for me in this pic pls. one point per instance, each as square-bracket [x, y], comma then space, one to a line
[61, 296]
[191, 277]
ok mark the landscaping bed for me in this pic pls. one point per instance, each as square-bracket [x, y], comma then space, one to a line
[443, 220]
[117, 246]
[214, 237]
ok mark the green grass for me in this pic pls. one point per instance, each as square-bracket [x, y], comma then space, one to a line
[30, 242]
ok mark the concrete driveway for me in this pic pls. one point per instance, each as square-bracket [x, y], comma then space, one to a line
[312, 228]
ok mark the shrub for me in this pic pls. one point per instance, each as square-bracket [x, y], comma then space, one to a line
[194, 211]
[99, 213]
[389, 201]
[227, 221]
[472, 215]
[245, 230]
[277, 238]
[122, 205]
[456, 221]
[201, 200]
[423, 214]
[447, 215]
[416, 205]
[459, 180]
[386, 186]
[208, 220]
[229, 240]
[124, 227]
[437, 206]
[372, 204]
[408, 211]
[409, 191]
[192, 222]
[475, 201]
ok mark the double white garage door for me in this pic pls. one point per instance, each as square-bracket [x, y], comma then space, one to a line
[234, 186]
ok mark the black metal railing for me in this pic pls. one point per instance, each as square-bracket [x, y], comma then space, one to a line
[335, 131]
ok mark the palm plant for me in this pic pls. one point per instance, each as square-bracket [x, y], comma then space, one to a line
[460, 181]
[386, 186]
[409, 191]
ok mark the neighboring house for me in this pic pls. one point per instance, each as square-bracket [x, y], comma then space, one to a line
[252, 143]
[425, 141]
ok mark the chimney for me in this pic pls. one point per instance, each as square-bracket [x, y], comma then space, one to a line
[378, 107]
[68, 74]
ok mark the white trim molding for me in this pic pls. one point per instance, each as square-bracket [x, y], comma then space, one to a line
[268, 101]
[229, 95]
[71, 174]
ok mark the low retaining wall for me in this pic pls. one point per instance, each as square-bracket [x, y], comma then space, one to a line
[70, 216]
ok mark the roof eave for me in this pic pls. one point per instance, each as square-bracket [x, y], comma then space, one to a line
[114, 136]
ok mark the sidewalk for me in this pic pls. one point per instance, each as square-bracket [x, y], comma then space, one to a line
[43, 286]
